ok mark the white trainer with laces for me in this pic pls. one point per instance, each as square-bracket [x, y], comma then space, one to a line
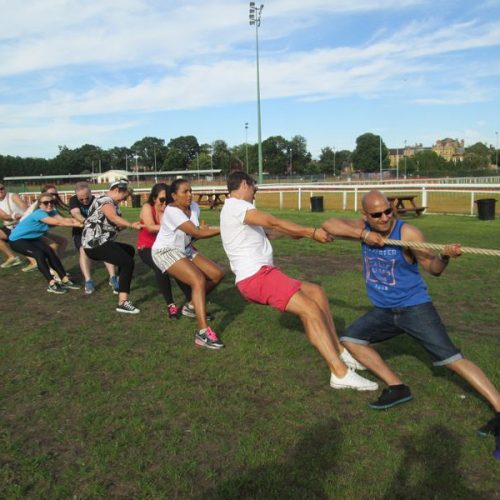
[351, 380]
[349, 360]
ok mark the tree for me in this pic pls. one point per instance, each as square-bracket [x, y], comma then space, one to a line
[299, 158]
[221, 156]
[147, 148]
[477, 157]
[366, 156]
[275, 151]
[186, 146]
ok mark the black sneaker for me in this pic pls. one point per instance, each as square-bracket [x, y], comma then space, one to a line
[127, 307]
[56, 288]
[392, 396]
[69, 285]
[492, 427]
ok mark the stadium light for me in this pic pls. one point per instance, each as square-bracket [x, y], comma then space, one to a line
[254, 19]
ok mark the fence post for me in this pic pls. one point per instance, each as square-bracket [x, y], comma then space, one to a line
[424, 197]
[300, 198]
[355, 199]
[344, 201]
[281, 200]
[472, 203]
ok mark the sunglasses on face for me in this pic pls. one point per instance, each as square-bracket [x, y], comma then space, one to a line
[377, 215]
[2, 189]
[162, 200]
[47, 203]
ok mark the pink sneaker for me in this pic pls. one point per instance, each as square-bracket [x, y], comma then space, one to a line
[173, 312]
[208, 338]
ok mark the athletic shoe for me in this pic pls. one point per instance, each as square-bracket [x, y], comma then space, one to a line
[348, 359]
[56, 288]
[89, 287]
[11, 262]
[30, 267]
[70, 285]
[351, 380]
[208, 338]
[188, 311]
[127, 307]
[392, 396]
[173, 311]
[492, 427]
[114, 282]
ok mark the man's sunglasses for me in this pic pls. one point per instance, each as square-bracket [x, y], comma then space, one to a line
[47, 203]
[377, 215]
[162, 200]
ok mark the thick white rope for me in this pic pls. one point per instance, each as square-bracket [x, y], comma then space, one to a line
[436, 246]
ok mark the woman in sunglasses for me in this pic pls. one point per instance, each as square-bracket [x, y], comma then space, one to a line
[150, 218]
[173, 252]
[27, 238]
[102, 225]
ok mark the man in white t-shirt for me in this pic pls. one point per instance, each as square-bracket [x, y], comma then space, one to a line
[250, 255]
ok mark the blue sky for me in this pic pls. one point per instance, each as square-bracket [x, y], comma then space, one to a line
[110, 72]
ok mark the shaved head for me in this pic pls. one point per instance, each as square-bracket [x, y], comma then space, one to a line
[374, 198]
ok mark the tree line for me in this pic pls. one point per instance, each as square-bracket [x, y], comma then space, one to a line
[281, 157]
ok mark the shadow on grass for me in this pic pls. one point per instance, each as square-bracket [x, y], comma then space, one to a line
[430, 467]
[301, 475]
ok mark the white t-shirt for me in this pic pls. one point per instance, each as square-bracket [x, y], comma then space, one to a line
[170, 236]
[246, 246]
[10, 207]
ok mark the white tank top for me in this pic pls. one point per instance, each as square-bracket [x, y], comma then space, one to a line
[10, 207]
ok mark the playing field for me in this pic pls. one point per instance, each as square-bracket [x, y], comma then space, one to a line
[95, 404]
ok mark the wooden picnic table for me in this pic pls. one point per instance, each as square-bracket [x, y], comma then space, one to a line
[398, 204]
[211, 199]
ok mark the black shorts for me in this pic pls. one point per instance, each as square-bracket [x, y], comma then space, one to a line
[6, 230]
[77, 240]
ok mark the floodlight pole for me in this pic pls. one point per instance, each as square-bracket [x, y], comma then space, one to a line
[255, 15]
[496, 151]
[246, 144]
[380, 157]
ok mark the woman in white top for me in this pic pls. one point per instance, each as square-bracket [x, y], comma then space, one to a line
[173, 252]
[12, 206]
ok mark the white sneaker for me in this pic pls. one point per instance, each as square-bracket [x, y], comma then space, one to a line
[351, 380]
[349, 360]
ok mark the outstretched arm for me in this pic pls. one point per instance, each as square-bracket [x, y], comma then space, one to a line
[433, 264]
[199, 232]
[352, 229]
[267, 221]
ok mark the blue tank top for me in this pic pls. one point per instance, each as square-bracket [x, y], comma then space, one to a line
[390, 280]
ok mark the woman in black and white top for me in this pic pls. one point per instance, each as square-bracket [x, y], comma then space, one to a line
[101, 228]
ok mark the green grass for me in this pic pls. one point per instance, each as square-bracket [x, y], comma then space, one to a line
[98, 405]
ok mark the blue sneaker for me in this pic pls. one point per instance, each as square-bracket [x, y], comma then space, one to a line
[114, 282]
[89, 287]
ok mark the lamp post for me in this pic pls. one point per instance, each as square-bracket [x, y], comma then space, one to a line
[156, 172]
[496, 150]
[334, 153]
[404, 154]
[246, 145]
[291, 164]
[136, 170]
[380, 157]
[254, 18]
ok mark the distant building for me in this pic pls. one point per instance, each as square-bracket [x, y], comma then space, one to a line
[111, 176]
[450, 149]
[396, 154]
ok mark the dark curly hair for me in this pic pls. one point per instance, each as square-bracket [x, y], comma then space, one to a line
[156, 190]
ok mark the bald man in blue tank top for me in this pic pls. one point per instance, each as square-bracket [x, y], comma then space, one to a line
[402, 304]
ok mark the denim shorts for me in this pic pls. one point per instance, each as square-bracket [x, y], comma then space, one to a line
[422, 322]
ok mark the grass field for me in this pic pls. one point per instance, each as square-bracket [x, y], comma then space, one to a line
[99, 405]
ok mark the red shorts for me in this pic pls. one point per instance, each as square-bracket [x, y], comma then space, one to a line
[269, 286]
